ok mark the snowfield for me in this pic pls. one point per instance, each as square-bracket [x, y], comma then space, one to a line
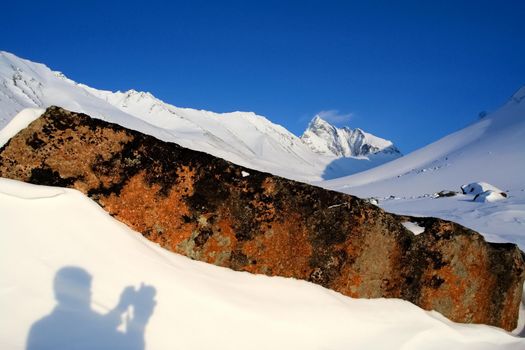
[488, 155]
[501, 221]
[198, 306]
[241, 137]
[491, 150]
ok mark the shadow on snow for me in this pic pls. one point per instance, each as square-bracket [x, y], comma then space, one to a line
[74, 325]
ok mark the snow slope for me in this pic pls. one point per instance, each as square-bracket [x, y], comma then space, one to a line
[490, 150]
[198, 306]
[500, 221]
[241, 137]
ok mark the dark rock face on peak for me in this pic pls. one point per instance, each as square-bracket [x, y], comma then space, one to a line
[212, 210]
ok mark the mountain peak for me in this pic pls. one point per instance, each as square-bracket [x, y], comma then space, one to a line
[317, 121]
[325, 138]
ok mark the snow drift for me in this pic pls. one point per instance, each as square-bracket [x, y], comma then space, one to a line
[44, 229]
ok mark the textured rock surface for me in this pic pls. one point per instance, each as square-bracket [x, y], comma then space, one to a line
[212, 210]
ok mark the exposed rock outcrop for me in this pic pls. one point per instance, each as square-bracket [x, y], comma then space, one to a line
[212, 210]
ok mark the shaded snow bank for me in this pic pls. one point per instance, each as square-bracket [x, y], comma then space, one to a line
[476, 188]
[490, 196]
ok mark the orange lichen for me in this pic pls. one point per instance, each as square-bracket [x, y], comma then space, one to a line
[140, 206]
[223, 240]
[268, 186]
[282, 250]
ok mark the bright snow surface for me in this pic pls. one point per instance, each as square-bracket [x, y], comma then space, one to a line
[475, 188]
[413, 227]
[198, 306]
[489, 197]
[324, 138]
[241, 137]
[491, 150]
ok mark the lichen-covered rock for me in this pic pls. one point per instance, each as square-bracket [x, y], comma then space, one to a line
[212, 210]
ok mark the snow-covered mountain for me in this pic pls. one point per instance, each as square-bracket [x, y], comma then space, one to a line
[491, 150]
[241, 137]
[324, 138]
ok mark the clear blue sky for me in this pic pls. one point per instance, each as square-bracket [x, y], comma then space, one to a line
[410, 71]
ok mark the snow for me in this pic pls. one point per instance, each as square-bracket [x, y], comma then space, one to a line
[476, 188]
[324, 138]
[245, 173]
[244, 138]
[22, 120]
[489, 196]
[373, 201]
[492, 149]
[413, 227]
[501, 221]
[45, 229]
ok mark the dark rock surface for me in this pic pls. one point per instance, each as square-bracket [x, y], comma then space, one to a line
[205, 208]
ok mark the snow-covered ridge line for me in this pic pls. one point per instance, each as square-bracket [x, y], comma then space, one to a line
[244, 138]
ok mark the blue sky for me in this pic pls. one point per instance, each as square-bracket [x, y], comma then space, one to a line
[409, 71]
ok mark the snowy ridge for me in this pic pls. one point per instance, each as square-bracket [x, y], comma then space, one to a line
[263, 312]
[241, 137]
[324, 138]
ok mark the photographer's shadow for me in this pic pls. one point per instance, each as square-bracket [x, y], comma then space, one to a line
[74, 325]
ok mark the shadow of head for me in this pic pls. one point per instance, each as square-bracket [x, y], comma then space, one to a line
[72, 287]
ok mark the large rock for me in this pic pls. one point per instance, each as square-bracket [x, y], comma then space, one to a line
[212, 210]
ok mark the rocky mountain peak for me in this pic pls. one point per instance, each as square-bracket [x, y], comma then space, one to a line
[318, 122]
[325, 138]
